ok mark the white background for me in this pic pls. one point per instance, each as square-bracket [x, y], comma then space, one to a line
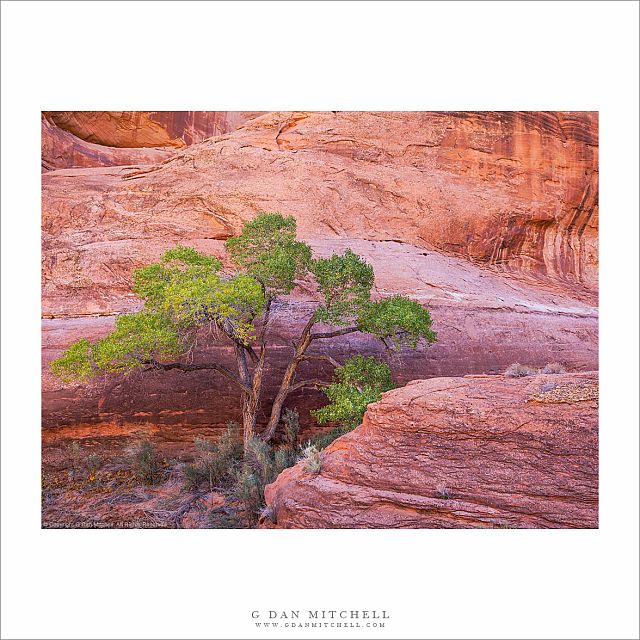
[361, 55]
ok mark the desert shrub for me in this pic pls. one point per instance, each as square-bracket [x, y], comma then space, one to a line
[312, 459]
[284, 458]
[443, 492]
[262, 465]
[517, 370]
[291, 420]
[554, 367]
[193, 476]
[249, 490]
[145, 463]
[323, 440]
[215, 461]
[259, 458]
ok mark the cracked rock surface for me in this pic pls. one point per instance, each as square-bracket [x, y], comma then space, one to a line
[455, 453]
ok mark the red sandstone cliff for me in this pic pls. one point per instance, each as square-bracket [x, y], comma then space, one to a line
[457, 453]
[105, 138]
[489, 218]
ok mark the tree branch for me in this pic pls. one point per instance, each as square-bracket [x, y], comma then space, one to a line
[252, 354]
[167, 366]
[329, 359]
[333, 334]
[308, 383]
[265, 324]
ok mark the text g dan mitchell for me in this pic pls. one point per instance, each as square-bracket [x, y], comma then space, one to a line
[333, 614]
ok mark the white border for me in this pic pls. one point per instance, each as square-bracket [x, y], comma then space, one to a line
[347, 55]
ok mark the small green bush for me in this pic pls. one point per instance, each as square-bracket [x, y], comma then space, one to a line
[193, 476]
[249, 490]
[145, 462]
[357, 383]
[259, 458]
[283, 459]
[262, 465]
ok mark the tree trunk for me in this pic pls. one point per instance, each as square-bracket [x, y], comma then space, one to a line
[249, 398]
[249, 414]
[287, 381]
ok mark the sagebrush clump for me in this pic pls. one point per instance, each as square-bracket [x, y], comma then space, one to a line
[312, 458]
[517, 370]
[145, 462]
[215, 461]
[554, 367]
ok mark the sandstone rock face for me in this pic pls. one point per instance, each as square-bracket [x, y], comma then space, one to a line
[485, 321]
[148, 128]
[457, 453]
[61, 149]
[514, 190]
[488, 218]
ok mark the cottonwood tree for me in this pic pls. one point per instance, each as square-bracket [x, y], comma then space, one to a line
[186, 291]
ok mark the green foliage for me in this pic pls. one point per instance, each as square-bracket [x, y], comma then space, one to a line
[136, 338]
[283, 459]
[232, 302]
[259, 458]
[75, 364]
[268, 251]
[181, 292]
[190, 257]
[145, 462]
[177, 264]
[262, 465]
[250, 492]
[345, 283]
[398, 320]
[358, 383]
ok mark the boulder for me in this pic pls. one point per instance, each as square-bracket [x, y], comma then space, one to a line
[471, 452]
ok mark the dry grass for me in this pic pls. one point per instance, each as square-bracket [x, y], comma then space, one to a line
[554, 367]
[517, 370]
[312, 459]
